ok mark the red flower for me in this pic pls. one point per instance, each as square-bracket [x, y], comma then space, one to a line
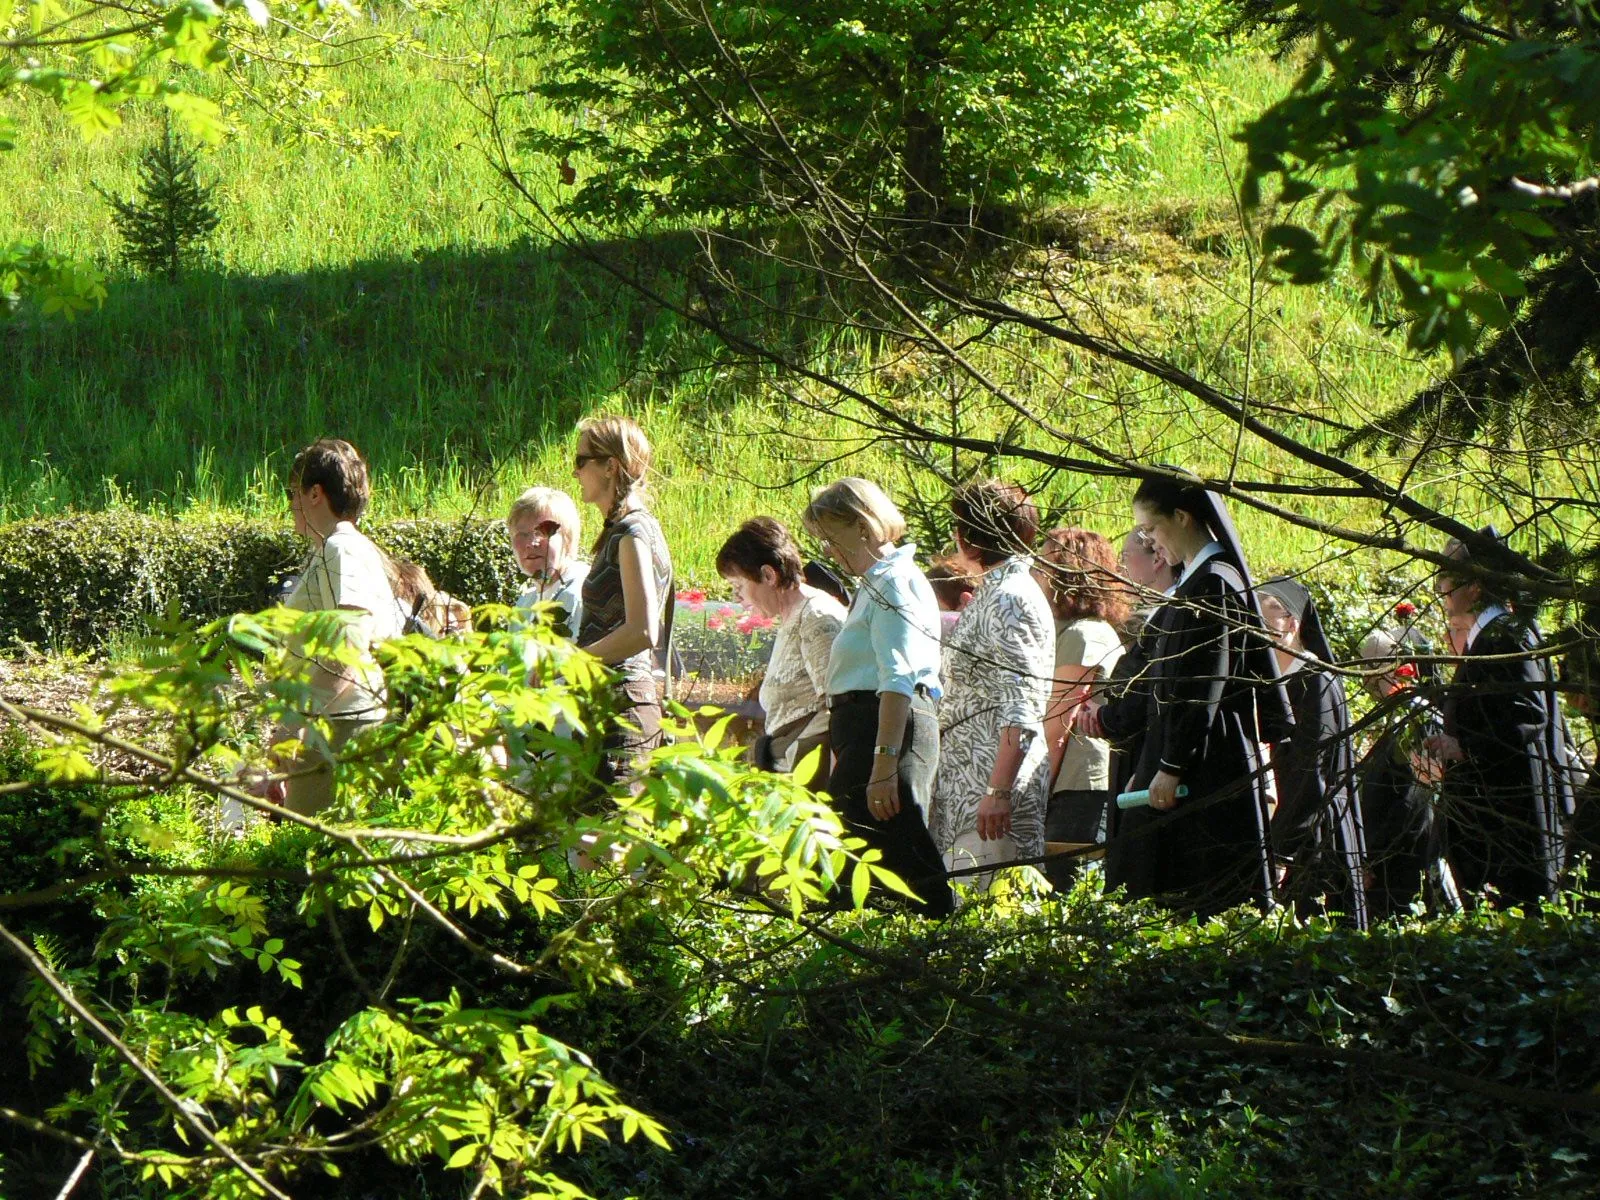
[694, 598]
[1406, 671]
[728, 613]
[713, 623]
[1405, 609]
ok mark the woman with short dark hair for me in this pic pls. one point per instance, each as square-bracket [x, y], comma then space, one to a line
[989, 797]
[763, 564]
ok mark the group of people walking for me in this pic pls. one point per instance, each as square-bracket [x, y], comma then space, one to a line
[1041, 699]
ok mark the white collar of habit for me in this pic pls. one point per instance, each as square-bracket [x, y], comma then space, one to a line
[1487, 615]
[1207, 552]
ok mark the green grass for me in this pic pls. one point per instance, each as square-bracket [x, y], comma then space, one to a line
[393, 297]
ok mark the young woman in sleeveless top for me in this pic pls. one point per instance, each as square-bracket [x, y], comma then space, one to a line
[629, 586]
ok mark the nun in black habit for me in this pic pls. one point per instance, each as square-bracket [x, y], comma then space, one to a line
[1506, 795]
[1120, 718]
[1404, 855]
[1213, 699]
[1316, 828]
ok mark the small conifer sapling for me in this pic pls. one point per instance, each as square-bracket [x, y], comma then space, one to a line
[171, 216]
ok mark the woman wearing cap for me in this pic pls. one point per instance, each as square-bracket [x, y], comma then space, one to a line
[883, 685]
[994, 764]
[1214, 699]
[543, 525]
[1316, 828]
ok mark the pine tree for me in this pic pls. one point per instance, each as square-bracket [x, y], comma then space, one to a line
[171, 216]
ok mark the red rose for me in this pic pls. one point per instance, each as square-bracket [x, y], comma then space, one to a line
[1405, 609]
[1406, 671]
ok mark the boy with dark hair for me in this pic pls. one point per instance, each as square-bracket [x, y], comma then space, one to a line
[328, 491]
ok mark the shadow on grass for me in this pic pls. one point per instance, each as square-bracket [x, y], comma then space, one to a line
[438, 365]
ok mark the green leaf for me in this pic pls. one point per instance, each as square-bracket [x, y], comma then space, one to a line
[199, 116]
[1530, 223]
[1498, 277]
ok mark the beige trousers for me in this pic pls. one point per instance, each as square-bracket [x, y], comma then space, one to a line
[310, 792]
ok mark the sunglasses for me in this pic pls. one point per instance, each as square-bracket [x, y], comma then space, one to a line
[579, 461]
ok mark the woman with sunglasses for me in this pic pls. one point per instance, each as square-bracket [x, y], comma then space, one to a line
[628, 591]
[544, 525]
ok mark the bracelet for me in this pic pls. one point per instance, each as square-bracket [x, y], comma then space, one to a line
[887, 751]
[999, 793]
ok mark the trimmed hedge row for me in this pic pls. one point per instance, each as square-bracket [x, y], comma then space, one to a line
[71, 583]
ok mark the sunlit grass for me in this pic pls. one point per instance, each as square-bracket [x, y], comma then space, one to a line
[393, 297]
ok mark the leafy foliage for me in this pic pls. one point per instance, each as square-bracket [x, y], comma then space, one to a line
[172, 216]
[434, 848]
[94, 58]
[1089, 1055]
[1446, 152]
[905, 107]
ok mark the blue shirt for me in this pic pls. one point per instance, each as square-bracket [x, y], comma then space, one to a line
[890, 639]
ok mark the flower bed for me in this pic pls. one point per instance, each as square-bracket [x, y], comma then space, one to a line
[719, 640]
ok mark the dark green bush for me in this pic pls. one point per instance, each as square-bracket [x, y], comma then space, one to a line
[73, 582]
[822, 1075]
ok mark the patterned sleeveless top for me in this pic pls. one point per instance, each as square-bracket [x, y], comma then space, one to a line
[604, 608]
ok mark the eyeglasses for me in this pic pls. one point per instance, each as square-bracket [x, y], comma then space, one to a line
[579, 461]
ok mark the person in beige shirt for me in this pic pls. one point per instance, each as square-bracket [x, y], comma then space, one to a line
[763, 564]
[1078, 570]
[344, 571]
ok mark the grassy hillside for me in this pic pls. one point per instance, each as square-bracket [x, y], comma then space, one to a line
[390, 295]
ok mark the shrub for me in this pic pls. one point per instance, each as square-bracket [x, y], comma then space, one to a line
[74, 582]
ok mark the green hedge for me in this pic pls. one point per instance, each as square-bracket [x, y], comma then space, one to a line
[71, 583]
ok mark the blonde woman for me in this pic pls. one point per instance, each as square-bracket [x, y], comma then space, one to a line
[883, 686]
[628, 590]
[544, 525]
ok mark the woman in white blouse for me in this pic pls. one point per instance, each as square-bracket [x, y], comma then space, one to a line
[763, 564]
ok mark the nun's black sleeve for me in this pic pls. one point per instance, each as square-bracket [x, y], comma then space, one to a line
[1193, 674]
[1304, 764]
[1122, 716]
[1499, 711]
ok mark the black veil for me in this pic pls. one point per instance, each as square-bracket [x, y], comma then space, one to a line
[1274, 715]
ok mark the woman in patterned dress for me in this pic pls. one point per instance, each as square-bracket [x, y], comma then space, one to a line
[994, 766]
